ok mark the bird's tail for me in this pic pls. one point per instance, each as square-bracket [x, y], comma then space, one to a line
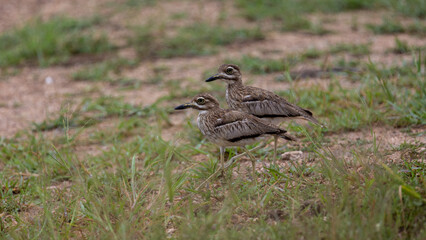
[313, 120]
[286, 136]
[310, 117]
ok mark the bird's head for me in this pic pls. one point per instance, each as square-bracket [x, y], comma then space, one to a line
[229, 73]
[203, 101]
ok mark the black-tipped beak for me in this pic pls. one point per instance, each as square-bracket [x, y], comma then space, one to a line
[212, 78]
[183, 106]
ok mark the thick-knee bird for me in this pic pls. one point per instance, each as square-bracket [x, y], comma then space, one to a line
[256, 101]
[226, 127]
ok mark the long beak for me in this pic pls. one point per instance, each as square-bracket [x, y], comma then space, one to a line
[183, 106]
[214, 77]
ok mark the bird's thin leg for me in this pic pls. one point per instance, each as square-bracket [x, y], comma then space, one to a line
[222, 168]
[236, 157]
[229, 163]
[222, 159]
[275, 149]
[253, 162]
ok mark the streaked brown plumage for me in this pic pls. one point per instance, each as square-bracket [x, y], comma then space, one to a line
[256, 101]
[226, 127]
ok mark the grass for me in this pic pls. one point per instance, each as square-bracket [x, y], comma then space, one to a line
[142, 186]
[312, 53]
[131, 5]
[411, 8]
[294, 23]
[102, 168]
[139, 3]
[349, 48]
[384, 96]
[401, 47]
[388, 26]
[200, 39]
[258, 65]
[194, 40]
[102, 71]
[145, 187]
[289, 15]
[51, 42]
[353, 49]
[290, 12]
[391, 26]
[255, 9]
[91, 111]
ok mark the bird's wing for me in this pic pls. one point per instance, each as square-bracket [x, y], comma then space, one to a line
[262, 103]
[235, 126]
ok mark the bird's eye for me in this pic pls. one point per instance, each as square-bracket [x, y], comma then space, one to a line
[229, 70]
[201, 101]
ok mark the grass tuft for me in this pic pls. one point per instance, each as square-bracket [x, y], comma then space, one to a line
[391, 26]
[388, 26]
[194, 40]
[91, 111]
[351, 109]
[51, 42]
[354, 49]
[402, 47]
[258, 65]
[108, 172]
[292, 10]
[200, 39]
[101, 71]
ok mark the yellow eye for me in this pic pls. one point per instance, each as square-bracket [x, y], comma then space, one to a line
[229, 70]
[200, 101]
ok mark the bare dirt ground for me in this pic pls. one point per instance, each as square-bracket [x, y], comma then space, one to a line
[27, 97]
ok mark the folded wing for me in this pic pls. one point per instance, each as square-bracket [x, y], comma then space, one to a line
[267, 104]
[235, 126]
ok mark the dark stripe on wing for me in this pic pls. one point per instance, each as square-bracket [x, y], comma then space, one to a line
[277, 115]
[237, 139]
[308, 112]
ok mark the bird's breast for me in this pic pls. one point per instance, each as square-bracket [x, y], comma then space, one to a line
[204, 123]
[234, 99]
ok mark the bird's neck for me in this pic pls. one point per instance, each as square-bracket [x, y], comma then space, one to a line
[236, 84]
[210, 110]
[203, 112]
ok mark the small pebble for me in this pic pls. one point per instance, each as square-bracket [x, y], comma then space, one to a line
[293, 155]
[48, 80]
